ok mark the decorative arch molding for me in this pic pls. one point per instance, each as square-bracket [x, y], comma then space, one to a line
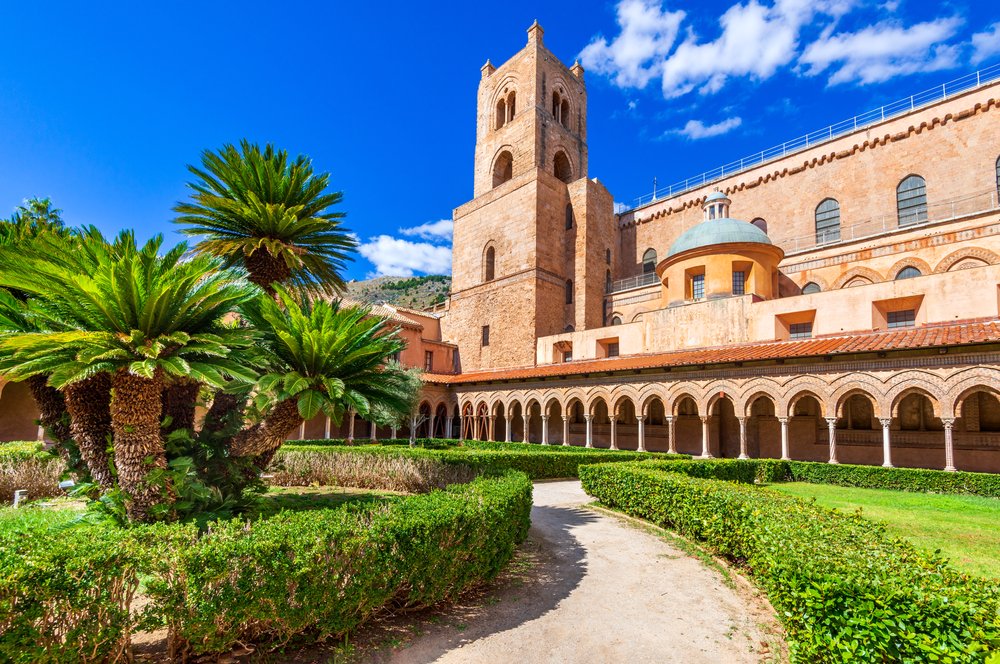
[840, 398]
[861, 271]
[909, 261]
[788, 405]
[745, 403]
[961, 384]
[620, 399]
[646, 396]
[679, 396]
[507, 84]
[714, 392]
[823, 284]
[598, 394]
[949, 262]
[897, 397]
[908, 382]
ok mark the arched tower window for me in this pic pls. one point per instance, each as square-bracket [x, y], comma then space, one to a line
[827, 221]
[907, 272]
[811, 287]
[561, 167]
[998, 177]
[511, 105]
[489, 264]
[649, 261]
[911, 200]
[569, 291]
[607, 281]
[501, 113]
[503, 168]
[760, 223]
[564, 113]
[556, 106]
[569, 217]
[616, 320]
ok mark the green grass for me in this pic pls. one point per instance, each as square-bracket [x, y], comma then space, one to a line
[301, 498]
[966, 529]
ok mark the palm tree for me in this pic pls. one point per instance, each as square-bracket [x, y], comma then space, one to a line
[140, 318]
[320, 357]
[270, 215]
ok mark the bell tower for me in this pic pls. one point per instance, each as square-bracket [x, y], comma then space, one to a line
[525, 259]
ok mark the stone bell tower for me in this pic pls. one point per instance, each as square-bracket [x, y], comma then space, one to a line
[530, 250]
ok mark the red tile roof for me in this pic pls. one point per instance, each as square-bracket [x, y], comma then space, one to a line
[928, 336]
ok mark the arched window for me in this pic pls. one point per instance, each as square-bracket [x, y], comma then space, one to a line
[607, 256]
[564, 113]
[489, 264]
[555, 105]
[760, 223]
[501, 113]
[811, 287]
[907, 272]
[649, 261]
[998, 177]
[503, 169]
[607, 281]
[616, 320]
[569, 291]
[561, 168]
[569, 217]
[511, 105]
[911, 200]
[827, 221]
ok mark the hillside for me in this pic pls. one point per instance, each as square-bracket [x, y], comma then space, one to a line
[410, 292]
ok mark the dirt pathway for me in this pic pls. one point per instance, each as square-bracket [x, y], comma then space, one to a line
[603, 590]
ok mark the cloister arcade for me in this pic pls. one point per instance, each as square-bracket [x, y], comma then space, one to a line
[913, 418]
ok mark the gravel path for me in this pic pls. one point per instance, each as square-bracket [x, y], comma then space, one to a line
[604, 590]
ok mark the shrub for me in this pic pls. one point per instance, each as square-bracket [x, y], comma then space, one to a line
[899, 479]
[25, 465]
[844, 589]
[70, 596]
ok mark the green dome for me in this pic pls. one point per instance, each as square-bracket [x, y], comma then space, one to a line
[718, 231]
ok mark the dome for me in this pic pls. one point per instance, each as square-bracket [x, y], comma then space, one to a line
[716, 196]
[718, 231]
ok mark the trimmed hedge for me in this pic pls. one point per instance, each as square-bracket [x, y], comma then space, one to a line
[898, 479]
[844, 589]
[71, 596]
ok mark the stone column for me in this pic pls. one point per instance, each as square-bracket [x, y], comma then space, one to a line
[671, 435]
[395, 432]
[545, 429]
[784, 439]
[447, 427]
[430, 427]
[527, 421]
[831, 427]
[705, 452]
[743, 438]
[590, 431]
[614, 433]
[374, 438]
[565, 429]
[326, 427]
[508, 418]
[886, 450]
[642, 434]
[949, 448]
[350, 427]
[492, 428]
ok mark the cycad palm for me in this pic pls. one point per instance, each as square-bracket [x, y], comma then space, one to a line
[270, 215]
[320, 357]
[139, 317]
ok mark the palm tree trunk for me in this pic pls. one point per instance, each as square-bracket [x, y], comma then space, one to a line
[135, 419]
[225, 407]
[51, 405]
[265, 270]
[179, 400]
[268, 435]
[88, 403]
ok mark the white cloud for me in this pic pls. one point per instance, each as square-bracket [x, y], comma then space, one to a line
[885, 50]
[647, 34]
[696, 129]
[986, 44]
[432, 230]
[392, 256]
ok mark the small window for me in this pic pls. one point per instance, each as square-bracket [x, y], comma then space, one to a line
[567, 356]
[616, 320]
[428, 360]
[800, 330]
[564, 113]
[907, 272]
[501, 113]
[739, 282]
[607, 256]
[511, 104]
[810, 288]
[613, 349]
[760, 223]
[649, 261]
[569, 217]
[607, 281]
[827, 221]
[911, 200]
[489, 267]
[569, 291]
[503, 169]
[561, 167]
[998, 177]
[486, 335]
[698, 287]
[906, 318]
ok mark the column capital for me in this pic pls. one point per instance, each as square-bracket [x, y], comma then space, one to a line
[565, 418]
[545, 418]
[669, 418]
[742, 420]
[508, 416]
[948, 422]
[783, 420]
[588, 416]
[885, 422]
[831, 421]
[704, 418]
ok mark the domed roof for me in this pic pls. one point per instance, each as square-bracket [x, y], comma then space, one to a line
[718, 231]
[716, 196]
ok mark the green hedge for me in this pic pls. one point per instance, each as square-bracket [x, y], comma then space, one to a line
[69, 596]
[844, 589]
[899, 479]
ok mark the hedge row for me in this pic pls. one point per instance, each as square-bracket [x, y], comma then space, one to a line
[453, 443]
[71, 596]
[26, 465]
[844, 589]
[532, 460]
[899, 479]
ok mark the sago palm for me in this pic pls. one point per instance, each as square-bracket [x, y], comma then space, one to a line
[135, 315]
[269, 214]
[319, 356]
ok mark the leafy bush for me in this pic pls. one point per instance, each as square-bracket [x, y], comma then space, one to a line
[899, 479]
[26, 465]
[844, 589]
[70, 596]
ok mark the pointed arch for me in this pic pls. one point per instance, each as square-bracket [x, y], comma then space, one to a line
[965, 258]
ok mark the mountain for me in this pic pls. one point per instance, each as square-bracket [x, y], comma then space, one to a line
[410, 292]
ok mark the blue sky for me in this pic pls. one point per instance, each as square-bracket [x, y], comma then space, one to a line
[102, 105]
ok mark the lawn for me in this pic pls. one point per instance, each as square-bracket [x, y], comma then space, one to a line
[965, 528]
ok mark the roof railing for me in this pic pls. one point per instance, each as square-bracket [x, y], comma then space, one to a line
[862, 121]
[638, 281]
